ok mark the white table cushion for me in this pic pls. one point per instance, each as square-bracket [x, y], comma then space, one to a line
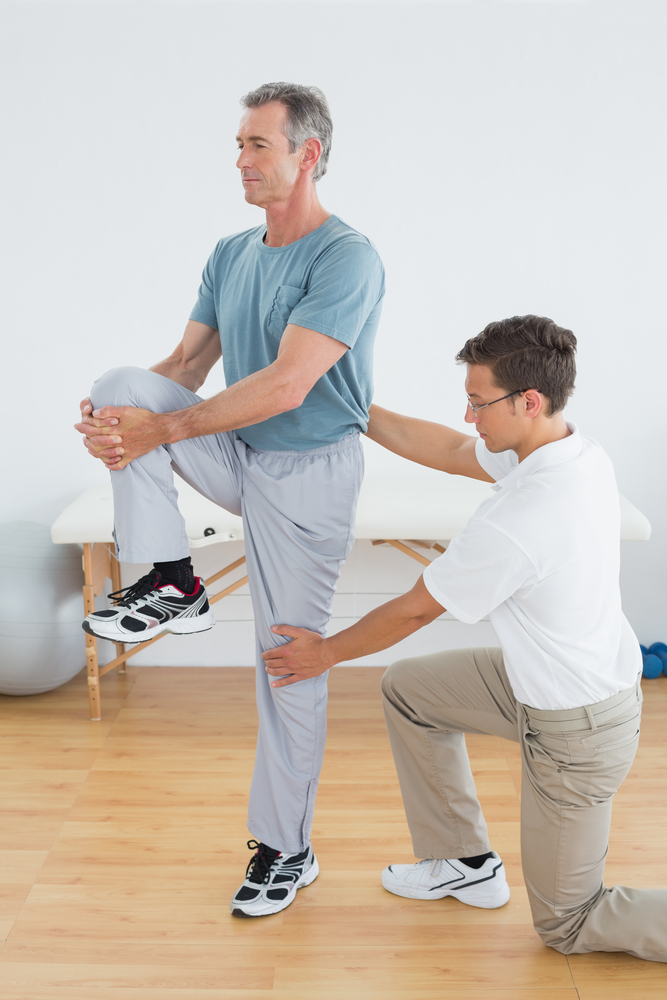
[435, 508]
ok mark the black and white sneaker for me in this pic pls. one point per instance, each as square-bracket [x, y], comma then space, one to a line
[148, 608]
[272, 879]
[485, 887]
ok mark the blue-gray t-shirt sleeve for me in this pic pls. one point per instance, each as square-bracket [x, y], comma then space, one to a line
[204, 310]
[346, 284]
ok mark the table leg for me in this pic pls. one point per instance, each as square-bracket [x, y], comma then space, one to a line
[116, 584]
[91, 641]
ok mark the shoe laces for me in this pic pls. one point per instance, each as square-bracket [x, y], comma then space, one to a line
[436, 864]
[143, 586]
[259, 867]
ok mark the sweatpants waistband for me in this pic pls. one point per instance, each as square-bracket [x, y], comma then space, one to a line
[325, 449]
[591, 716]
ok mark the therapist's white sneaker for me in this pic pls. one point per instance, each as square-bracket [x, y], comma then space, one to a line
[485, 887]
[148, 608]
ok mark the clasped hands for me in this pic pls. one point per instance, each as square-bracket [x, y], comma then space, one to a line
[297, 660]
[119, 434]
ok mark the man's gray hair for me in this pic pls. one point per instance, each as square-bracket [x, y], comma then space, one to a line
[308, 116]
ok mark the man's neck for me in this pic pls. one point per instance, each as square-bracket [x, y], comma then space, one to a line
[291, 220]
[554, 429]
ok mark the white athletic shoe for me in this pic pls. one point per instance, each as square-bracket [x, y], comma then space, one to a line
[486, 886]
[148, 608]
[271, 881]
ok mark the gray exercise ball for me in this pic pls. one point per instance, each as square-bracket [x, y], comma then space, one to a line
[42, 644]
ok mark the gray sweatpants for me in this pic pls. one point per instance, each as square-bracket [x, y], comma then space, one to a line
[298, 511]
[572, 764]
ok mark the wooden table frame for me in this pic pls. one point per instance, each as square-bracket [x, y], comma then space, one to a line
[100, 563]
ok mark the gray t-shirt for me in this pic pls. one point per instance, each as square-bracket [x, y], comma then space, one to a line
[331, 281]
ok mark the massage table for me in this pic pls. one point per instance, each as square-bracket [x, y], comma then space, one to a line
[409, 513]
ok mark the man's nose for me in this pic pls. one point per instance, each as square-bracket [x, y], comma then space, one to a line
[243, 159]
[470, 415]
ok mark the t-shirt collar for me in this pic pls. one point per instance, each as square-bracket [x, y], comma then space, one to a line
[549, 454]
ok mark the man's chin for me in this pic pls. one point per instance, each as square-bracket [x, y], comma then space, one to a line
[495, 448]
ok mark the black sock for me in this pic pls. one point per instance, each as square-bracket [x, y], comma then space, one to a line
[477, 861]
[179, 572]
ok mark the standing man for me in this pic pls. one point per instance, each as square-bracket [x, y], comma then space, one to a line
[293, 307]
[541, 559]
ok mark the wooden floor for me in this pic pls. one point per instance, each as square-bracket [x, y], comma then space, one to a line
[122, 841]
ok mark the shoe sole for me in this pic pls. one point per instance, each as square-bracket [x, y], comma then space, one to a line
[177, 626]
[268, 910]
[470, 896]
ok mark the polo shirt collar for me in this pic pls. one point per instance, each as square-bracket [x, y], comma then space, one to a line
[549, 454]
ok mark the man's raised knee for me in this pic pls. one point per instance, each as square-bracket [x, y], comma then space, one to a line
[124, 386]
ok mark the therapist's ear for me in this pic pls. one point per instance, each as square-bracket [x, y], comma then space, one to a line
[533, 402]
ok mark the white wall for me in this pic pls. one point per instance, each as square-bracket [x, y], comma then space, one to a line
[505, 157]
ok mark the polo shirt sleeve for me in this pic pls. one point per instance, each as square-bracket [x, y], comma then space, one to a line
[204, 310]
[481, 568]
[346, 285]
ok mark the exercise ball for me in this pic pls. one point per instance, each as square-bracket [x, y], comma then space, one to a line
[652, 666]
[658, 649]
[42, 644]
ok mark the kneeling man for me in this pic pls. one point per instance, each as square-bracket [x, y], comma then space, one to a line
[541, 559]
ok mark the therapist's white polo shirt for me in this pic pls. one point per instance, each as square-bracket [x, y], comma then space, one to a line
[541, 559]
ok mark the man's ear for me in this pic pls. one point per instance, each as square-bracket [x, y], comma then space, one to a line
[534, 403]
[312, 151]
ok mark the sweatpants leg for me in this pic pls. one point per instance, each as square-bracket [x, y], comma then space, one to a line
[148, 524]
[429, 703]
[298, 510]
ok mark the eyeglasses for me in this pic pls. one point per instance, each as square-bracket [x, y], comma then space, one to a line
[480, 406]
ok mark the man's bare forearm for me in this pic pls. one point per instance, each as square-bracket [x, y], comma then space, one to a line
[433, 445]
[192, 359]
[380, 628]
[258, 397]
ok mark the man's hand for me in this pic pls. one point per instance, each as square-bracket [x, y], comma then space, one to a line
[135, 432]
[100, 442]
[301, 658]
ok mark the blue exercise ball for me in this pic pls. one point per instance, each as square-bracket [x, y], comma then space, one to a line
[652, 666]
[658, 649]
[644, 650]
[42, 644]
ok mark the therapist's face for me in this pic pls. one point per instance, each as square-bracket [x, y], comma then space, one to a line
[501, 426]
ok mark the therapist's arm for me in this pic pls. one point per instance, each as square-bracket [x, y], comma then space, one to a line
[309, 654]
[433, 445]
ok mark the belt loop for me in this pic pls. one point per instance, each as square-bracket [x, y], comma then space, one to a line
[591, 717]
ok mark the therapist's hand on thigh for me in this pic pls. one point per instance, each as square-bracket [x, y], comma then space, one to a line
[296, 660]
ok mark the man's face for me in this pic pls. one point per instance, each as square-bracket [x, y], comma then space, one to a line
[268, 170]
[500, 426]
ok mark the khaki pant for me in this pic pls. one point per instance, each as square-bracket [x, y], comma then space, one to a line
[573, 763]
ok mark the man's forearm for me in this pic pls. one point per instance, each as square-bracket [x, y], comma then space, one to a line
[420, 441]
[190, 378]
[379, 629]
[258, 397]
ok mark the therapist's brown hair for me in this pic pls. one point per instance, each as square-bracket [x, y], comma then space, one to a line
[527, 352]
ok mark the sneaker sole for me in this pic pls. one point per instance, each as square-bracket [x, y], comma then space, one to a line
[472, 896]
[178, 626]
[266, 910]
